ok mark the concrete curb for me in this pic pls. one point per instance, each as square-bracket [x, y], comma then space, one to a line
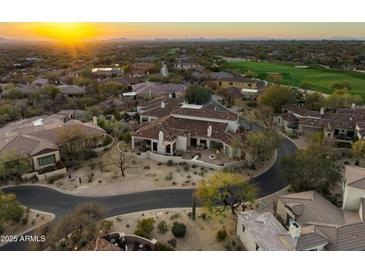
[273, 162]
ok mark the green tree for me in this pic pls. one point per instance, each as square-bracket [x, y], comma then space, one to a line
[197, 95]
[10, 208]
[76, 228]
[144, 227]
[8, 113]
[250, 73]
[276, 97]
[13, 165]
[49, 91]
[314, 101]
[342, 99]
[341, 85]
[358, 149]
[228, 189]
[261, 145]
[312, 169]
[276, 78]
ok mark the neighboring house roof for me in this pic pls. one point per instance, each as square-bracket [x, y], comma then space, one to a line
[310, 237]
[157, 89]
[355, 176]
[207, 112]
[344, 230]
[310, 206]
[100, 244]
[72, 89]
[341, 119]
[25, 145]
[31, 136]
[266, 230]
[220, 75]
[24, 89]
[144, 66]
[122, 80]
[40, 81]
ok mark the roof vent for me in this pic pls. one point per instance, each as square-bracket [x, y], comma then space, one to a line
[162, 104]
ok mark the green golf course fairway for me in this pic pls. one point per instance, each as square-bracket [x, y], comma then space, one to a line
[320, 78]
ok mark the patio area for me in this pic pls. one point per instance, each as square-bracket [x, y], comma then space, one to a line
[212, 156]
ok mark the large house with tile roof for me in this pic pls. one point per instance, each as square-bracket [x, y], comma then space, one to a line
[320, 225]
[184, 126]
[343, 125]
[38, 139]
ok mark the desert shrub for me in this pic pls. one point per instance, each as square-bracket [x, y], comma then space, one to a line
[164, 247]
[125, 137]
[170, 162]
[174, 216]
[169, 177]
[203, 216]
[25, 220]
[186, 167]
[221, 235]
[105, 226]
[179, 230]
[145, 227]
[172, 242]
[107, 140]
[162, 227]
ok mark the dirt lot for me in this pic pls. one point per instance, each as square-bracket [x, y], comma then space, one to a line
[35, 219]
[99, 177]
[200, 234]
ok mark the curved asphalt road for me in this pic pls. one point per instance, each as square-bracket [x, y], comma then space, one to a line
[50, 200]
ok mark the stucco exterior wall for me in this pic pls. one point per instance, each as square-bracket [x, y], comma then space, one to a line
[244, 236]
[352, 198]
[181, 143]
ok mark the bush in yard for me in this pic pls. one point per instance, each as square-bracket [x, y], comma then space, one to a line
[170, 162]
[169, 177]
[164, 247]
[172, 242]
[162, 227]
[144, 227]
[179, 230]
[221, 235]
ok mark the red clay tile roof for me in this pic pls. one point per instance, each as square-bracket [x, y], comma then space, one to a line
[207, 112]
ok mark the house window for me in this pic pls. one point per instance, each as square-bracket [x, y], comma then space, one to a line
[46, 160]
[243, 228]
[154, 146]
[230, 83]
[220, 83]
[249, 85]
[168, 148]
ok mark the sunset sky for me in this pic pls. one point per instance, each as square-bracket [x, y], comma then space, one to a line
[82, 31]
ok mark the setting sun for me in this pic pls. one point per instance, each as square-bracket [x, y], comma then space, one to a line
[65, 32]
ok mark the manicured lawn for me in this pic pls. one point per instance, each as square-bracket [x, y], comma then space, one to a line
[320, 78]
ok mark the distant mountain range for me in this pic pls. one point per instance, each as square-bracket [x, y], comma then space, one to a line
[193, 39]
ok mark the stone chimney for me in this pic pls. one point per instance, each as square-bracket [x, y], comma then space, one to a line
[209, 131]
[322, 111]
[160, 138]
[162, 104]
[294, 230]
[353, 106]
